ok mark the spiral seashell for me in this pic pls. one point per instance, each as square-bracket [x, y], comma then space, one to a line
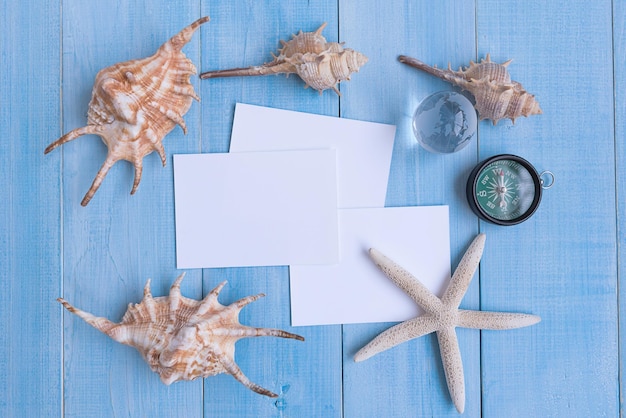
[181, 338]
[497, 96]
[320, 64]
[136, 103]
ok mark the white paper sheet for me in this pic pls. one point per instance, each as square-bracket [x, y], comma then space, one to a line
[355, 290]
[363, 148]
[256, 209]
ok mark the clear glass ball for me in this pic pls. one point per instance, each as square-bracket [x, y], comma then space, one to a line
[445, 122]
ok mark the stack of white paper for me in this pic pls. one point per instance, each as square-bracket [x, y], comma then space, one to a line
[308, 191]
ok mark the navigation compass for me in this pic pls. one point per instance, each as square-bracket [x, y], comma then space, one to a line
[506, 189]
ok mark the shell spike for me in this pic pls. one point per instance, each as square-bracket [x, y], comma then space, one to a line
[71, 135]
[172, 115]
[138, 170]
[241, 303]
[147, 293]
[175, 288]
[270, 332]
[99, 323]
[272, 68]
[175, 295]
[232, 368]
[184, 36]
[186, 91]
[415, 63]
[149, 302]
[178, 119]
[213, 294]
[160, 149]
[209, 302]
[506, 63]
[320, 29]
[106, 166]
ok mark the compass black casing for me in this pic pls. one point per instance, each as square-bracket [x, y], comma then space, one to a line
[510, 178]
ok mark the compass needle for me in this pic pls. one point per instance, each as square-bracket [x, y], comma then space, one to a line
[504, 190]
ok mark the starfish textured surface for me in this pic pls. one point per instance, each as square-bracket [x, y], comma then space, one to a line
[442, 316]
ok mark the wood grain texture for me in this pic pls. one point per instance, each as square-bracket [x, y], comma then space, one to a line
[307, 376]
[561, 264]
[408, 380]
[30, 239]
[565, 264]
[619, 78]
[118, 241]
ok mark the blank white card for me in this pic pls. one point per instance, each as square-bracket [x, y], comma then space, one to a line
[256, 209]
[355, 290]
[363, 148]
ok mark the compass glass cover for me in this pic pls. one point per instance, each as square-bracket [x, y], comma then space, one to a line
[505, 190]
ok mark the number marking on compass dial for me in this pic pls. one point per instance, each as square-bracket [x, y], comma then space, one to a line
[506, 190]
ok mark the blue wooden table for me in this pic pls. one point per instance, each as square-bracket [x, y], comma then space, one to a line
[564, 264]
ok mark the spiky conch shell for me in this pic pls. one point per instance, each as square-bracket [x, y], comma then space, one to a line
[136, 103]
[182, 338]
[497, 96]
[320, 64]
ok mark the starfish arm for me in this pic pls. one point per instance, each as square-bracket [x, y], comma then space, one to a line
[396, 335]
[407, 282]
[452, 366]
[464, 272]
[495, 320]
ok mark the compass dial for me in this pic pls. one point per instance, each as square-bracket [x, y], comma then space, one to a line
[504, 190]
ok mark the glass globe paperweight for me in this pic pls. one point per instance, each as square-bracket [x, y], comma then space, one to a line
[445, 122]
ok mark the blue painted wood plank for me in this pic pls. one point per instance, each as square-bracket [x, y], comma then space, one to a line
[307, 376]
[118, 241]
[408, 380]
[30, 267]
[561, 264]
[619, 77]
[567, 258]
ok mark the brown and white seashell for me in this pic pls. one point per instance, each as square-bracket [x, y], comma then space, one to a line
[320, 64]
[182, 338]
[496, 95]
[135, 104]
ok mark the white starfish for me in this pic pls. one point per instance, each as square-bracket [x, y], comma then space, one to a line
[442, 316]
